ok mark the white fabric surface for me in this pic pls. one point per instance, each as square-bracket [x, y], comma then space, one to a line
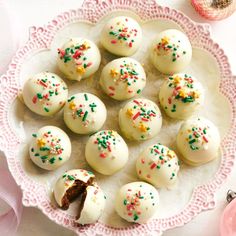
[32, 12]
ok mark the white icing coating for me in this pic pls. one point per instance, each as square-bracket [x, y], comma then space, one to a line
[45, 93]
[121, 36]
[158, 165]
[198, 141]
[181, 95]
[50, 148]
[106, 152]
[137, 202]
[84, 113]
[123, 78]
[67, 180]
[171, 51]
[94, 205]
[78, 58]
[140, 119]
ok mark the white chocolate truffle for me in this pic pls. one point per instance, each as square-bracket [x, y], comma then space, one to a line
[50, 148]
[123, 78]
[45, 93]
[121, 36]
[106, 152]
[140, 119]
[93, 205]
[84, 113]
[77, 180]
[181, 95]
[158, 165]
[78, 58]
[137, 202]
[198, 141]
[171, 51]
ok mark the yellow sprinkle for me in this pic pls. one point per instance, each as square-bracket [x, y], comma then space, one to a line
[80, 70]
[113, 73]
[86, 45]
[195, 94]
[41, 142]
[72, 105]
[182, 93]
[129, 112]
[171, 154]
[142, 127]
[177, 79]
[165, 40]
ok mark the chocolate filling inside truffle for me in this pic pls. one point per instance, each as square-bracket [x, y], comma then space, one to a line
[78, 188]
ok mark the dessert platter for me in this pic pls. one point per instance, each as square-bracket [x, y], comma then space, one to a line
[119, 118]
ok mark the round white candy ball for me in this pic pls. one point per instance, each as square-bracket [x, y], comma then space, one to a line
[137, 202]
[158, 165]
[106, 152]
[45, 93]
[78, 58]
[84, 113]
[140, 119]
[50, 148]
[181, 95]
[121, 36]
[123, 78]
[198, 141]
[171, 51]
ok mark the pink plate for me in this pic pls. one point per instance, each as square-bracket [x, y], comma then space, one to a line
[35, 194]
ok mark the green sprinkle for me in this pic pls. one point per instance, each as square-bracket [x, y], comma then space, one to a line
[36, 155]
[70, 99]
[136, 217]
[46, 109]
[60, 158]
[78, 112]
[204, 131]
[85, 116]
[192, 141]
[70, 177]
[52, 160]
[63, 176]
[44, 157]
[44, 149]
[32, 149]
[125, 202]
[34, 135]
[39, 95]
[86, 97]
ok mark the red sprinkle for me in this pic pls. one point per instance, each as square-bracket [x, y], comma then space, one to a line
[143, 161]
[113, 41]
[135, 101]
[130, 44]
[157, 151]
[34, 100]
[43, 84]
[205, 139]
[144, 119]
[111, 94]
[153, 165]
[89, 64]
[103, 155]
[169, 100]
[111, 88]
[136, 115]
[177, 88]
[109, 148]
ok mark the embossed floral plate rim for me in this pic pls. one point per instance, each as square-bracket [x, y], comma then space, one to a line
[34, 194]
